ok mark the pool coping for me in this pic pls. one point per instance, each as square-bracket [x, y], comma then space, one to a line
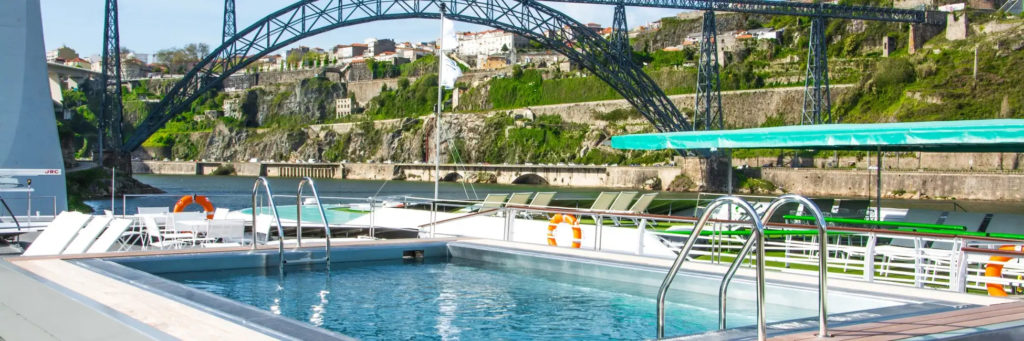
[61, 271]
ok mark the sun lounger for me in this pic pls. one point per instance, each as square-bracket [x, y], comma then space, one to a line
[640, 206]
[88, 235]
[492, 201]
[621, 203]
[849, 208]
[971, 221]
[542, 199]
[55, 238]
[221, 213]
[824, 204]
[110, 236]
[603, 201]
[519, 199]
[1006, 223]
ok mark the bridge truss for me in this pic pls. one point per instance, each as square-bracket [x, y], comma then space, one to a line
[110, 78]
[527, 18]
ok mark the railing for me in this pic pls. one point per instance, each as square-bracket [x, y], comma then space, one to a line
[277, 218]
[323, 217]
[758, 234]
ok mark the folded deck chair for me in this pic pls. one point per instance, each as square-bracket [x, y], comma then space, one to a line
[110, 236]
[55, 238]
[88, 235]
[1006, 223]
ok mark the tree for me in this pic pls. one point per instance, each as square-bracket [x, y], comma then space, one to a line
[179, 59]
[504, 48]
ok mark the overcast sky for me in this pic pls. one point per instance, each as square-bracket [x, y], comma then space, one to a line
[150, 25]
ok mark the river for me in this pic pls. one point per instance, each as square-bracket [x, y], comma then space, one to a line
[234, 192]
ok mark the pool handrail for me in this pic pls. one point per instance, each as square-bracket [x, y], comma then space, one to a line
[273, 207]
[758, 227]
[822, 259]
[323, 217]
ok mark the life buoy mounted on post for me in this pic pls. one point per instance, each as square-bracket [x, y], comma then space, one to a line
[577, 234]
[198, 199]
[996, 270]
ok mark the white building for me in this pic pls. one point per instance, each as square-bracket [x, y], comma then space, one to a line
[765, 33]
[489, 42]
[343, 107]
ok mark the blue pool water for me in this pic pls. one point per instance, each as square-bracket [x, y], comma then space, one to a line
[469, 299]
[310, 213]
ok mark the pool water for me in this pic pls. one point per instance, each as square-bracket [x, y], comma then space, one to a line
[469, 299]
[310, 213]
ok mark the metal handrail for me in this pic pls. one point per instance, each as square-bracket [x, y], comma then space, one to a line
[323, 217]
[822, 260]
[758, 229]
[273, 208]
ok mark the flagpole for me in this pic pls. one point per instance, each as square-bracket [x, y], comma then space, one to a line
[437, 115]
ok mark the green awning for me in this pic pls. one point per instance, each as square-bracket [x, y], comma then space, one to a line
[1002, 135]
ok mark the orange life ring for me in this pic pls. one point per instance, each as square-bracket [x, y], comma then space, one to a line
[577, 234]
[996, 270]
[199, 199]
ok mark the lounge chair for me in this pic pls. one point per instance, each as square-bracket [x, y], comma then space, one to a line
[824, 204]
[163, 239]
[55, 238]
[542, 199]
[221, 213]
[1006, 223]
[621, 204]
[110, 236]
[88, 235]
[603, 202]
[641, 204]
[519, 199]
[153, 210]
[856, 209]
[492, 201]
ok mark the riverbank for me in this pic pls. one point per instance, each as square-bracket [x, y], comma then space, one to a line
[94, 183]
[917, 184]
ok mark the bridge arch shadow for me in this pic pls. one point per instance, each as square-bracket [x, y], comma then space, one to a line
[307, 18]
[530, 179]
[452, 177]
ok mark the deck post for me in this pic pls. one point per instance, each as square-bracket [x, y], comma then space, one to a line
[869, 258]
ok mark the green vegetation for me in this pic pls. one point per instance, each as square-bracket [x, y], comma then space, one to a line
[409, 100]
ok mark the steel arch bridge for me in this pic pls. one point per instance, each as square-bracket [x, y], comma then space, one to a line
[524, 17]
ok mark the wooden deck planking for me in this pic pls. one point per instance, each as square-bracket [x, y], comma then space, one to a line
[921, 325]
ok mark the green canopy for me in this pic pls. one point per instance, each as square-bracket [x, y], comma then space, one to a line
[1003, 135]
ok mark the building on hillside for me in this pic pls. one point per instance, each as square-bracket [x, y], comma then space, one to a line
[343, 107]
[61, 54]
[391, 57]
[376, 46]
[766, 33]
[348, 52]
[692, 39]
[595, 27]
[544, 59]
[490, 62]
[412, 53]
[489, 42]
[134, 68]
[78, 63]
[143, 57]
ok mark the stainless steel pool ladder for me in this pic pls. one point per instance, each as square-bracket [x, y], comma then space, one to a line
[273, 208]
[822, 260]
[756, 235]
[323, 217]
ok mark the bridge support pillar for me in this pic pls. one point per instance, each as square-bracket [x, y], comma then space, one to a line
[817, 108]
[110, 118]
[620, 33]
[708, 101]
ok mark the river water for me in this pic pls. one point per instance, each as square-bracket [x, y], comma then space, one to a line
[235, 192]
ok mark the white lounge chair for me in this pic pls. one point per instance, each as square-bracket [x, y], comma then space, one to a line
[88, 235]
[110, 236]
[221, 213]
[55, 238]
[163, 239]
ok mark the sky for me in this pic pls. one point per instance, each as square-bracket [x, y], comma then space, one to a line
[147, 26]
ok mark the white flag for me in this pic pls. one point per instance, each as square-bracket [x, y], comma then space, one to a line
[448, 40]
[450, 71]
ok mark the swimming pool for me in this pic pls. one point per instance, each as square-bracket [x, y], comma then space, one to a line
[465, 290]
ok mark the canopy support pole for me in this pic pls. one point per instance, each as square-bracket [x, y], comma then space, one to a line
[878, 187]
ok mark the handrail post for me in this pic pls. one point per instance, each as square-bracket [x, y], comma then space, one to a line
[273, 208]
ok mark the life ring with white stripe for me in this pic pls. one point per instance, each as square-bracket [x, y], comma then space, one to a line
[577, 234]
[996, 270]
[198, 199]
